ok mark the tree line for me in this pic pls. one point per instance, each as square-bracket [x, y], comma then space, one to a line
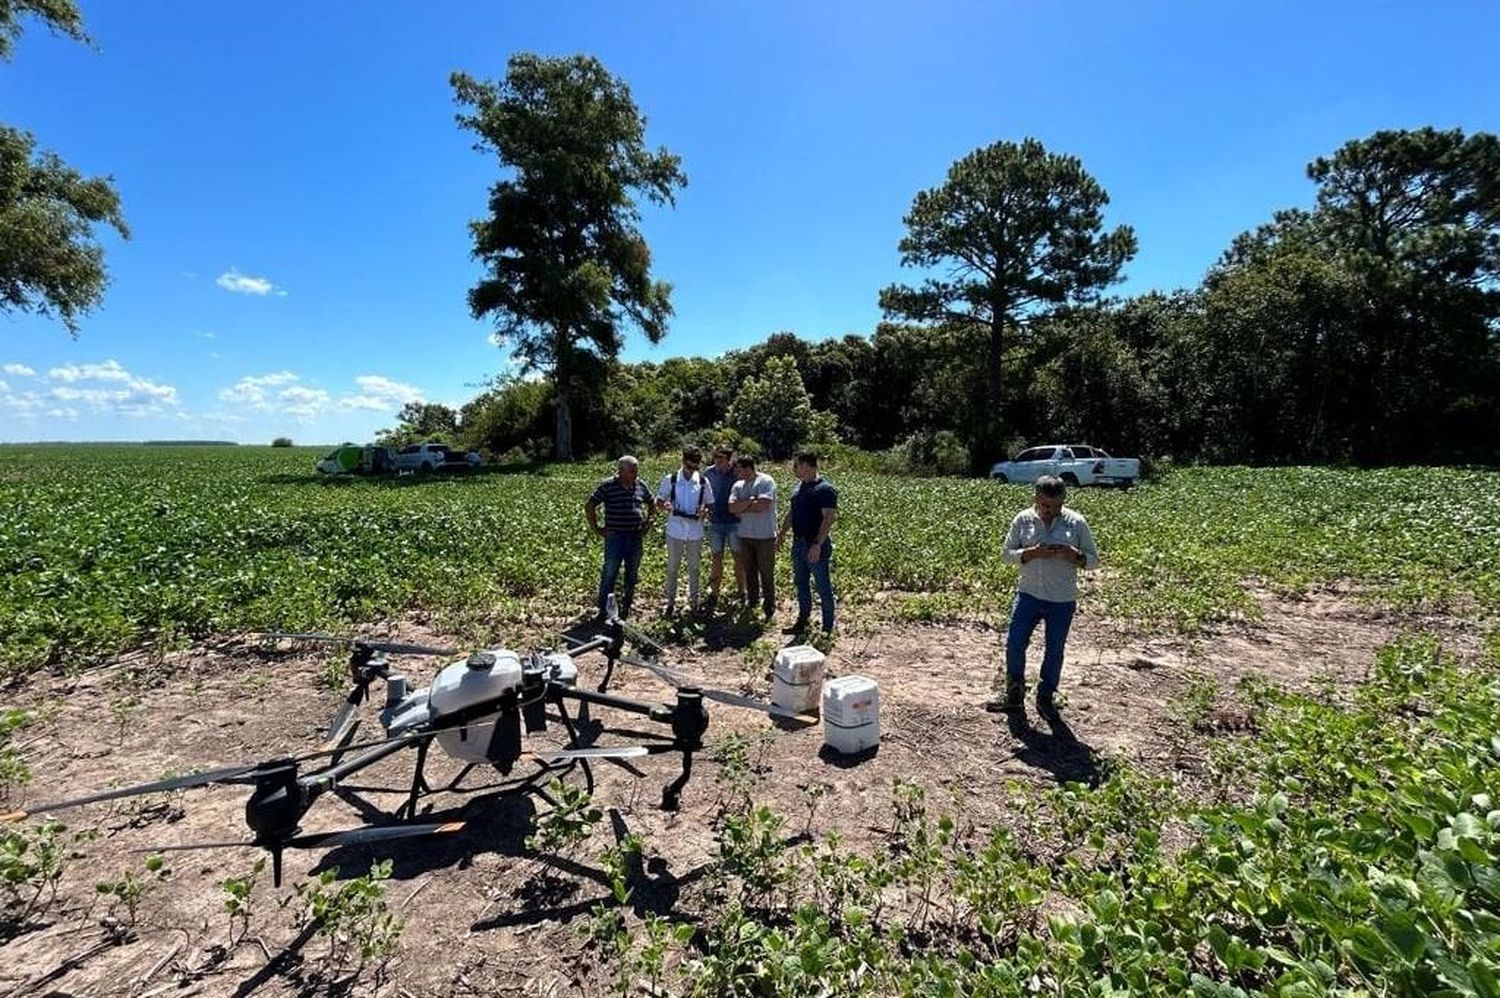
[1363, 329]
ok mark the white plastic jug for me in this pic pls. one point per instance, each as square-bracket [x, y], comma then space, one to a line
[851, 714]
[797, 678]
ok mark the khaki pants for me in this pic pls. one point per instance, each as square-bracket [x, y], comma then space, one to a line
[759, 555]
[675, 550]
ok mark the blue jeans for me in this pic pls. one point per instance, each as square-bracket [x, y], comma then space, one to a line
[803, 573]
[620, 548]
[1023, 621]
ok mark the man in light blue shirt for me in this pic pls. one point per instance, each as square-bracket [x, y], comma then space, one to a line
[1050, 544]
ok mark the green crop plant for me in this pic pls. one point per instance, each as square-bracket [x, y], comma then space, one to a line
[31, 863]
[134, 546]
[572, 819]
[239, 901]
[354, 916]
[131, 889]
[13, 769]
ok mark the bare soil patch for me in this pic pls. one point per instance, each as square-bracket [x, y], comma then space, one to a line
[483, 915]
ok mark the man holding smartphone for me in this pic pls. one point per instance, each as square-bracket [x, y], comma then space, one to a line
[1050, 544]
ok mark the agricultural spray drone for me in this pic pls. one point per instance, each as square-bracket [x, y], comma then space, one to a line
[478, 711]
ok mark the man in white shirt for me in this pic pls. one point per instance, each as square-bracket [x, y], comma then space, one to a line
[686, 498]
[753, 500]
[1050, 544]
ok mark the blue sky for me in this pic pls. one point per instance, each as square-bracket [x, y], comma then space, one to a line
[299, 192]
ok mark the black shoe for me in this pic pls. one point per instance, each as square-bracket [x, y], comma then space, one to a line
[1045, 705]
[1008, 701]
[798, 626]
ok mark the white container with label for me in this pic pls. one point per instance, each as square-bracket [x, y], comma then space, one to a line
[851, 714]
[797, 679]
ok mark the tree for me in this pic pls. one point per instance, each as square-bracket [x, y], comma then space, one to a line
[1368, 325]
[422, 422]
[1020, 232]
[49, 261]
[567, 267]
[62, 16]
[776, 411]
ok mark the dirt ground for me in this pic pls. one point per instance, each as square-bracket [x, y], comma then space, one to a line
[483, 915]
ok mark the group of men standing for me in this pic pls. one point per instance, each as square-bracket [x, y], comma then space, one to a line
[733, 505]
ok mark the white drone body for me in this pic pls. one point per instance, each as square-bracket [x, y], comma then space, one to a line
[483, 677]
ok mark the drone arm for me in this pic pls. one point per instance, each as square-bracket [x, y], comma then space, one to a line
[659, 712]
[595, 644]
[325, 779]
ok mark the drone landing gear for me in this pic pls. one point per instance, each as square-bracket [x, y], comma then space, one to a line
[671, 794]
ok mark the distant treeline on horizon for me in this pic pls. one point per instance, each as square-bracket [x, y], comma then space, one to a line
[120, 443]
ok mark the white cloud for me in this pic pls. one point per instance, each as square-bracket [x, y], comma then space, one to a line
[66, 412]
[19, 370]
[203, 335]
[380, 394]
[284, 393]
[244, 284]
[254, 391]
[302, 403]
[23, 405]
[110, 370]
[114, 389]
[281, 393]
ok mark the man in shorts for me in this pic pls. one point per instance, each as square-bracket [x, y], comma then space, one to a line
[723, 526]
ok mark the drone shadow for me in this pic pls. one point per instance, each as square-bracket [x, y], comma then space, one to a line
[1058, 751]
[494, 823]
[654, 889]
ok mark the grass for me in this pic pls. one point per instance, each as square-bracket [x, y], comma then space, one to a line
[103, 548]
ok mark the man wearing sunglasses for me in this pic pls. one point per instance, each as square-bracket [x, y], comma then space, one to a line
[685, 497]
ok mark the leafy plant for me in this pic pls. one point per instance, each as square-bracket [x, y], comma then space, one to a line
[353, 916]
[31, 863]
[571, 820]
[13, 769]
[131, 889]
[239, 901]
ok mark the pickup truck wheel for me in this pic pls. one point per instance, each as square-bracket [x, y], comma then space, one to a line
[1126, 483]
[427, 467]
[1001, 479]
[1070, 480]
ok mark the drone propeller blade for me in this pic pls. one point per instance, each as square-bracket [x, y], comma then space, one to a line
[364, 836]
[302, 636]
[344, 719]
[660, 671]
[189, 846]
[401, 648]
[640, 637]
[721, 696]
[324, 840]
[594, 752]
[389, 647]
[229, 774]
[750, 703]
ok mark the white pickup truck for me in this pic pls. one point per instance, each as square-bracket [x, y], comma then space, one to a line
[1075, 464]
[434, 457]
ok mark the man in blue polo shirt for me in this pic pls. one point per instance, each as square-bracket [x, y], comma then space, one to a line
[627, 517]
[809, 519]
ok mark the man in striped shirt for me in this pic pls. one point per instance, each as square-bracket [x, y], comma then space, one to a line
[627, 517]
